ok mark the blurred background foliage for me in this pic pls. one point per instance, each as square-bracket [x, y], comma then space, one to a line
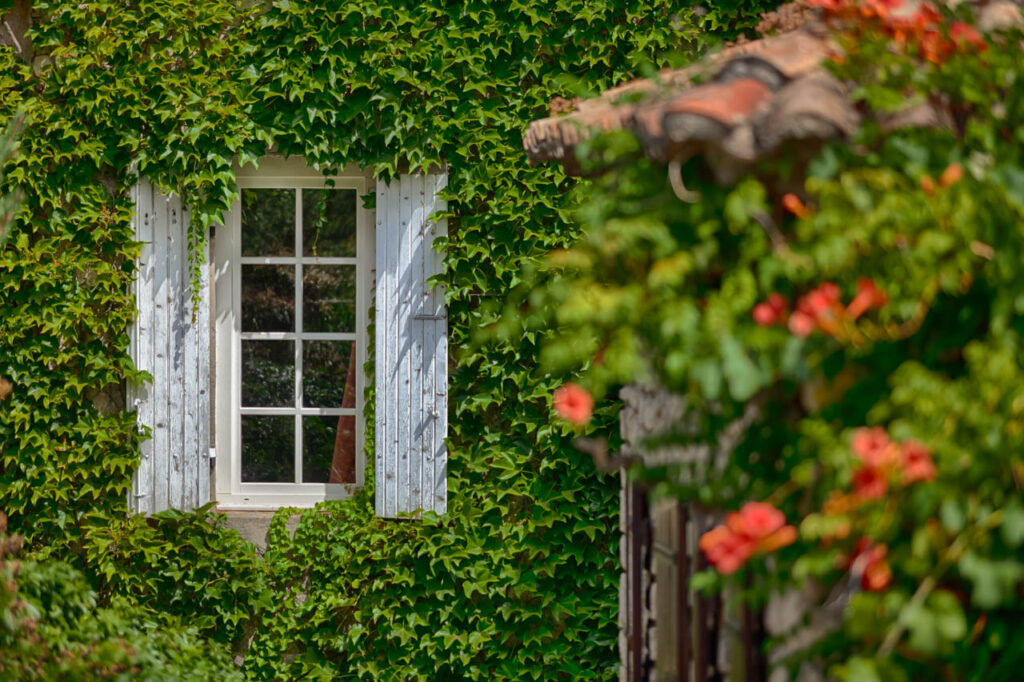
[661, 291]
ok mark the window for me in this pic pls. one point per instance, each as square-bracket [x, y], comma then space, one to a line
[294, 269]
[292, 293]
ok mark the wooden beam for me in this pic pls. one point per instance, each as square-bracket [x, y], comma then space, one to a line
[14, 29]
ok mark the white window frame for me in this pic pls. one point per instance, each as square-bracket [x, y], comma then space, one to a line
[292, 173]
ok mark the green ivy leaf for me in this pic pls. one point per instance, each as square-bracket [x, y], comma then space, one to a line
[1012, 528]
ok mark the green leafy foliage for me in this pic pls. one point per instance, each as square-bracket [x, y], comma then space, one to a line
[923, 546]
[518, 580]
[52, 626]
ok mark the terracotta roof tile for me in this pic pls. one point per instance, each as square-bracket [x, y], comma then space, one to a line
[685, 124]
[736, 106]
[815, 106]
[674, 117]
[793, 54]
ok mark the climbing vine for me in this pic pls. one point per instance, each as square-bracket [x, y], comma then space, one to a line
[519, 579]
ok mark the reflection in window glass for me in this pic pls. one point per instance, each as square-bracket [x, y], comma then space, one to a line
[325, 373]
[268, 373]
[328, 222]
[329, 449]
[269, 447]
[329, 298]
[268, 222]
[268, 298]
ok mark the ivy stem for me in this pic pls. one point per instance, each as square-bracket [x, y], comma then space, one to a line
[928, 585]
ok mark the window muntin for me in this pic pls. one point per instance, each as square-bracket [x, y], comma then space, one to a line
[300, 252]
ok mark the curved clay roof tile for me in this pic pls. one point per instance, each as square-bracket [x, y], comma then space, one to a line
[762, 96]
[815, 107]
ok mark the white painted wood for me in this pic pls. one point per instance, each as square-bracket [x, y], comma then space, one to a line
[412, 362]
[171, 342]
[424, 307]
[175, 419]
[417, 278]
[380, 345]
[365, 271]
[391, 312]
[202, 326]
[231, 492]
[391, 372]
[404, 323]
[161, 334]
[439, 343]
[297, 356]
[194, 328]
[140, 497]
[226, 323]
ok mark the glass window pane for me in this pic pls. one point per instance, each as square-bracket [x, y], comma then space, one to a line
[329, 449]
[326, 379]
[268, 449]
[328, 222]
[268, 298]
[268, 222]
[268, 373]
[329, 298]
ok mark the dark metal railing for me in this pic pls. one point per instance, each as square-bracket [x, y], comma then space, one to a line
[671, 633]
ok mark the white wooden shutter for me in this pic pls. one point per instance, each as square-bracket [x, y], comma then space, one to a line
[171, 341]
[411, 350]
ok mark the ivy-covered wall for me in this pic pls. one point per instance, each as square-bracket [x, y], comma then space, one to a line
[519, 579]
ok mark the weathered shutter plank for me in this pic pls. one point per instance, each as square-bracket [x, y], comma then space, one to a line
[390, 430]
[439, 344]
[404, 331]
[194, 332]
[203, 350]
[414, 337]
[380, 354]
[175, 355]
[161, 343]
[423, 435]
[190, 389]
[171, 342]
[140, 396]
[411, 350]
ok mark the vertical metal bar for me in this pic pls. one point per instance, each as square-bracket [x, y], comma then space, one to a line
[647, 568]
[748, 653]
[715, 637]
[683, 617]
[636, 585]
[701, 657]
[753, 645]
